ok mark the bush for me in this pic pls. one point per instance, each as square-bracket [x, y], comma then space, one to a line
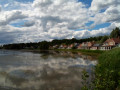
[107, 72]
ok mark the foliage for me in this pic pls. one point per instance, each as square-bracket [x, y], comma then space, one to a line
[107, 72]
[85, 81]
[45, 44]
[115, 33]
[104, 38]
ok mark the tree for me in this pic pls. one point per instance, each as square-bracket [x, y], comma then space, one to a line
[44, 45]
[104, 38]
[115, 33]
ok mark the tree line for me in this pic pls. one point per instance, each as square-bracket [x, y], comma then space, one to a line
[44, 45]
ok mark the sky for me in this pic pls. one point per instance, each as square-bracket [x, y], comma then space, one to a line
[24, 21]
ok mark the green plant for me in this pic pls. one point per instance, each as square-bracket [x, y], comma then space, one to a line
[107, 72]
[85, 82]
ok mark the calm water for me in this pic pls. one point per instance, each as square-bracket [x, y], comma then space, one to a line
[46, 70]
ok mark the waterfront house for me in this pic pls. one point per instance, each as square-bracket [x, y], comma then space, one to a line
[62, 46]
[79, 46]
[90, 44]
[54, 47]
[65, 46]
[86, 45]
[70, 46]
[110, 43]
[76, 45]
[95, 47]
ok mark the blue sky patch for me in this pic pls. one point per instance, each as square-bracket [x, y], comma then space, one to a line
[89, 23]
[24, 1]
[101, 26]
[103, 10]
[87, 2]
[19, 23]
[3, 2]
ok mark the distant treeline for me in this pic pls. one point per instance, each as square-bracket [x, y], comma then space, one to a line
[45, 44]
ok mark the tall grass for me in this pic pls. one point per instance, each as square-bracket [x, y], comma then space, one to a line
[107, 72]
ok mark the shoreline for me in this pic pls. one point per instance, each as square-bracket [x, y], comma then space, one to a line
[96, 53]
[83, 51]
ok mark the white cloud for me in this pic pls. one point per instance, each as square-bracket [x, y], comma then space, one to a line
[110, 13]
[9, 16]
[0, 8]
[97, 5]
[56, 19]
[6, 5]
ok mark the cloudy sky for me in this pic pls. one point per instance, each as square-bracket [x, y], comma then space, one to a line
[38, 20]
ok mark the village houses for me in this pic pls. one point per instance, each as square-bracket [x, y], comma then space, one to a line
[107, 45]
[110, 43]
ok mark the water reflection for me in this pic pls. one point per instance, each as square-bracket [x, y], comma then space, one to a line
[48, 70]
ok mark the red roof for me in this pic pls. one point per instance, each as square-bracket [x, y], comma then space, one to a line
[116, 40]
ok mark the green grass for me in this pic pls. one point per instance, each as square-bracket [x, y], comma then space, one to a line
[107, 72]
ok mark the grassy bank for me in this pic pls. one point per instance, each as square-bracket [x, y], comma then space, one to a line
[107, 72]
[87, 52]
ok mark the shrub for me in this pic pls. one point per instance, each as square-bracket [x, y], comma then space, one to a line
[107, 72]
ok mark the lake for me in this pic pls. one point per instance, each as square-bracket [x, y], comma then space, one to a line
[45, 70]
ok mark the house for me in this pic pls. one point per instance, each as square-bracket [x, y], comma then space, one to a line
[73, 45]
[90, 44]
[95, 47]
[110, 43]
[54, 47]
[76, 45]
[84, 45]
[63, 46]
[79, 46]
[87, 45]
[70, 46]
